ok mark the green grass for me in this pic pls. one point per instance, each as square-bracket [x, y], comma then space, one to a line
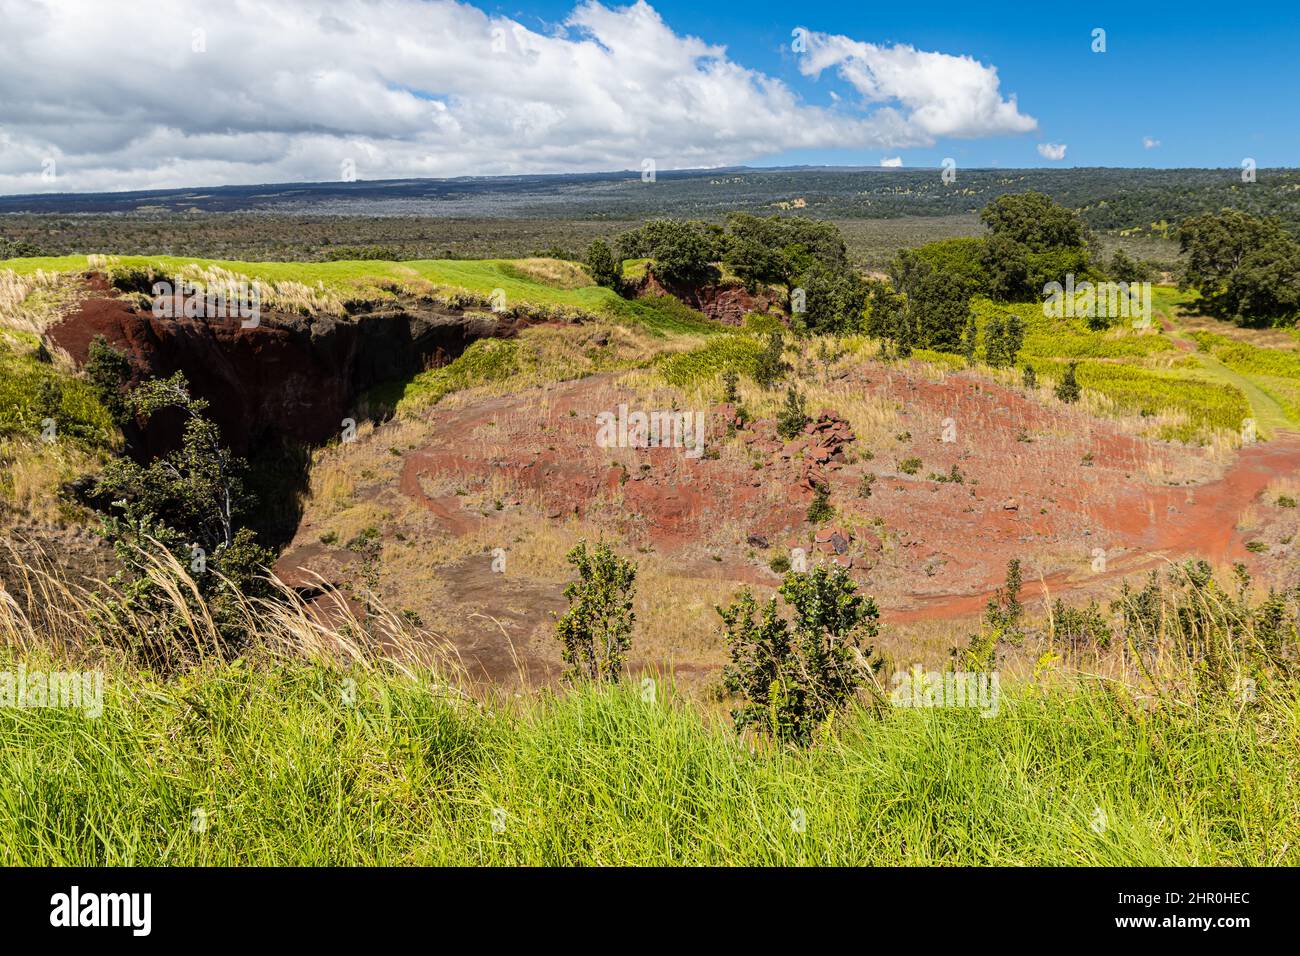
[286, 773]
[1070, 338]
[32, 390]
[479, 276]
[1249, 359]
[688, 369]
[487, 360]
[663, 315]
[1134, 389]
[370, 278]
[1268, 378]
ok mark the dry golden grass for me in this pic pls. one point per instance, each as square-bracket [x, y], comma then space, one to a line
[30, 471]
[42, 609]
[1285, 486]
[32, 303]
[557, 273]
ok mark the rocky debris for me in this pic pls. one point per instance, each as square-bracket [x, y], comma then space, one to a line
[823, 443]
[833, 540]
[729, 416]
[757, 541]
[1011, 505]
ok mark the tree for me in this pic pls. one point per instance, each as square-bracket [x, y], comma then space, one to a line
[835, 301]
[793, 677]
[1030, 377]
[1003, 339]
[1006, 263]
[683, 253]
[783, 250]
[197, 490]
[970, 339]
[937, 303]
[1034, 221]
[604, 268]
[17, 249]
[1245, 268]
[596, 630]
[888, 320]
[770, 366]
[1067, 389]
[108, 371]
[190, 502]
[792, 418]
[1124, 268]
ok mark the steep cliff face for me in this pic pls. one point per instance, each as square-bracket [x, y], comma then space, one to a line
[725, 302]
[291, 376]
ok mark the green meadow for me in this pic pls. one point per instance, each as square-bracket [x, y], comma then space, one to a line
[295, 766]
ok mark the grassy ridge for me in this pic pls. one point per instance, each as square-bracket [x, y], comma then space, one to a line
[479, 276]
[286, 772]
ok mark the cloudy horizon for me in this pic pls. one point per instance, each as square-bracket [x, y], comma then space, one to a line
[282, 93]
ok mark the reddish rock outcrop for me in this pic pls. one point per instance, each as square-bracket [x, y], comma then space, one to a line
[291, 375]
[725, 302]
[824, 443]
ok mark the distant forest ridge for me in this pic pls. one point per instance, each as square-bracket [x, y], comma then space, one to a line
[1146, 202]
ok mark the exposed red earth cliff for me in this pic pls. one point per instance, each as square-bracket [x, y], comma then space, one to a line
[290, 375]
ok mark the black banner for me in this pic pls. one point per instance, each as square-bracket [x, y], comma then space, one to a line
[337, 905]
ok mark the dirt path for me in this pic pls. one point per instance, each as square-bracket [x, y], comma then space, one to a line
[1270, 415]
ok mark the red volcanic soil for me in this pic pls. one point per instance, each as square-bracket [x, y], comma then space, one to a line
[1079, 501]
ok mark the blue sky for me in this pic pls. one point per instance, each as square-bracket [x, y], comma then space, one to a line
[1211, 82]
[278, 91]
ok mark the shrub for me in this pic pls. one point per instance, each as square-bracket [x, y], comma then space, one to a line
[731, 386]
[820, 509]
[596, 630]
[909, 466]
[189, 504]
[792, 418]
[793, 677]
[1067, 389]
[604, 268]
[108, 372]
[683, 252]
[1076, 628]
[1003, 612]
[771, 366]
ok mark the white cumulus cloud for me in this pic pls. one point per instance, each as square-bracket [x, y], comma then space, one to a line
[938, 94]
[1149, 143]
[891, 162]
[168, 93]
[1052, 151]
